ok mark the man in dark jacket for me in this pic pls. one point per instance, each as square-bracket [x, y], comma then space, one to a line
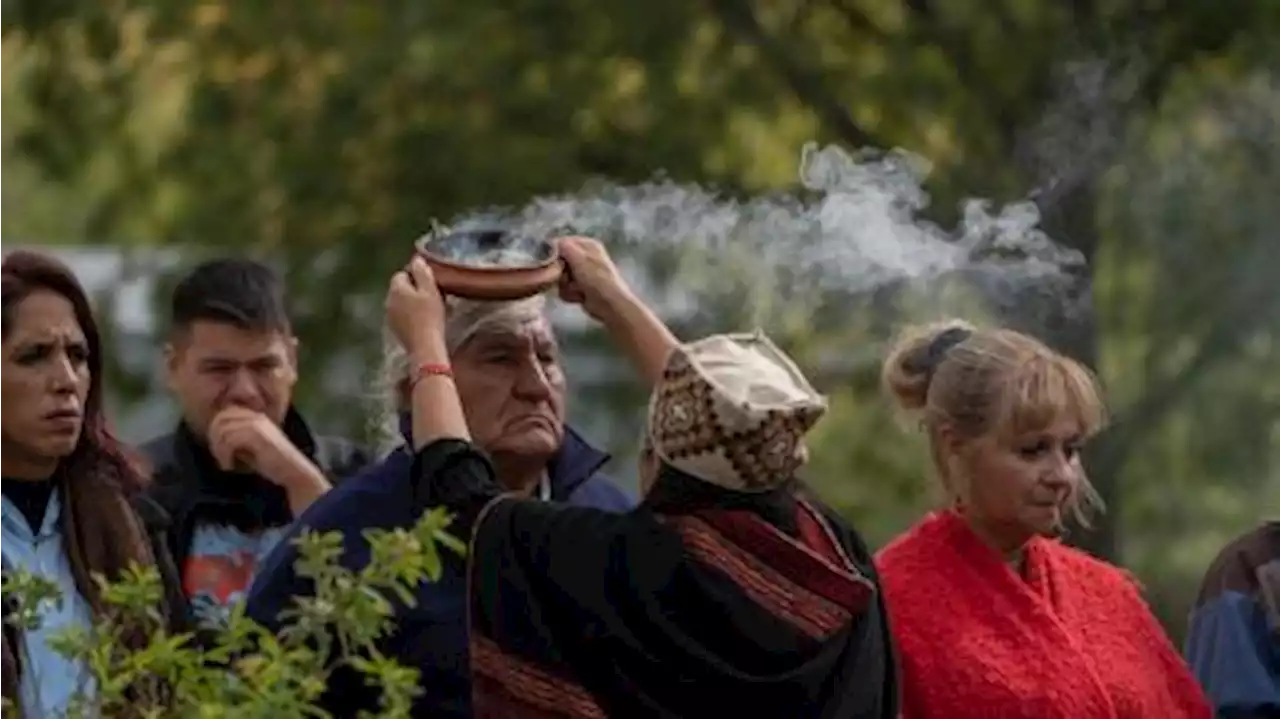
[506, 367]
[242, 463]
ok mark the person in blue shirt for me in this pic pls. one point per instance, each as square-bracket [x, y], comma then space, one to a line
[505, 361]
[1233, 641]
[72, 504]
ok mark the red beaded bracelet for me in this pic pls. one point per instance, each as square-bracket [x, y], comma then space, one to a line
[429, 369]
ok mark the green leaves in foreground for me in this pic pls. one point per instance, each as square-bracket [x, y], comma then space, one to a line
[245, 671]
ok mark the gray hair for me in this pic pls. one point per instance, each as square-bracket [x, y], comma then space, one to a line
[464, 320]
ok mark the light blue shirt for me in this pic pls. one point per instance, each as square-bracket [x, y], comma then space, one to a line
[49, 680]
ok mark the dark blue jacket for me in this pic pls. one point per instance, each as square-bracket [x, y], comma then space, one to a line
[431, 636]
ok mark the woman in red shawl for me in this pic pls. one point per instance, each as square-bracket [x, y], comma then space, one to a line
[994, 617]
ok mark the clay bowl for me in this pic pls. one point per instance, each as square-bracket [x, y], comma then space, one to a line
[491, 264]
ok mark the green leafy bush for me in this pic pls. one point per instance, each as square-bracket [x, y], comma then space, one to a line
[249, 672]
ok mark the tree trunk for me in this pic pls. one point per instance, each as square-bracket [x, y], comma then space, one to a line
[1068, 323]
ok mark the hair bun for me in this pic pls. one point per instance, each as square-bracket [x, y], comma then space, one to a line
[916, 353]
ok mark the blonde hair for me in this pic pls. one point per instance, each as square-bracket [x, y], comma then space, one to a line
[985, 382]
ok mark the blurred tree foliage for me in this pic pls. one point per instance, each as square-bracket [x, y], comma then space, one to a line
[327, 135]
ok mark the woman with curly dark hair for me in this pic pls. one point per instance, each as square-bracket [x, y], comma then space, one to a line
[71, 505]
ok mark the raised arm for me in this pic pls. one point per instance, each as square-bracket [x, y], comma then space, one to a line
[415, 315]
[447, 470]
[594, 282]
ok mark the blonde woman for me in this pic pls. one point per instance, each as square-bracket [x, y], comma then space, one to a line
[994, 617]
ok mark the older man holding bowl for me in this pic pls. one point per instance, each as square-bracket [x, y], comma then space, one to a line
[504, 360]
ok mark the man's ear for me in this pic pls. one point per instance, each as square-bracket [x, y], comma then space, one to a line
[172, 361]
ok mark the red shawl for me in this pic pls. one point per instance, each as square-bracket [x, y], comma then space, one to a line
[1073, 640]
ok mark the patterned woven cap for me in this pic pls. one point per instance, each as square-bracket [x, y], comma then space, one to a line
[733, 410]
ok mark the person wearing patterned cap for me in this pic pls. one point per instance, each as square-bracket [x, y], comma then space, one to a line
[726, 592]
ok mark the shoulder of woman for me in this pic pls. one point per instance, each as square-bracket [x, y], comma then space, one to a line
[911, 568]
[1098, 573]
[916, 546]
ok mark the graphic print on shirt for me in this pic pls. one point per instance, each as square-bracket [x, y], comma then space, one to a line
[221, 566]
